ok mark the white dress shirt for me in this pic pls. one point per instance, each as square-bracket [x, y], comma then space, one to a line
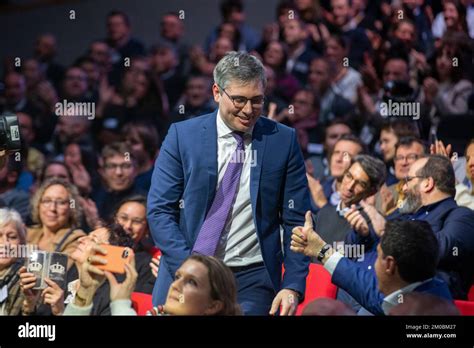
[239, 243]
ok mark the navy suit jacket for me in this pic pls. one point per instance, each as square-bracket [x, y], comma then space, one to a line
[183, 187]
[454, 228]
[362, 284]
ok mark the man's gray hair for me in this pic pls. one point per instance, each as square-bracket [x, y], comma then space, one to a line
[240, 67]
[374, 168]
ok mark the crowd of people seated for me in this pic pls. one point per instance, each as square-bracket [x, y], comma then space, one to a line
[391, 204]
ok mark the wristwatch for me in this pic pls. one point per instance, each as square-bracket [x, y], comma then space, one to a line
[323, 252]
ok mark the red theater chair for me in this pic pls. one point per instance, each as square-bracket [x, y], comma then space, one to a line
[465, 307]
[318, 284]
[141, 302]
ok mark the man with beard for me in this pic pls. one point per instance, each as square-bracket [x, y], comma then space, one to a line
[429, 190]
[407, 151]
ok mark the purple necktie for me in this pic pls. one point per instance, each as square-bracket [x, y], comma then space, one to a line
[213, 226]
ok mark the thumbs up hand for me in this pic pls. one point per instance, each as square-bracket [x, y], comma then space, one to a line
[305, 240]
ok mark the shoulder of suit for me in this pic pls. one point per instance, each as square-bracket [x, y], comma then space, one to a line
[194, 122]
[266, 122]
[461, 211]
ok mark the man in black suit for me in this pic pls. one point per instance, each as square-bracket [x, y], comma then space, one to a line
[361, 180]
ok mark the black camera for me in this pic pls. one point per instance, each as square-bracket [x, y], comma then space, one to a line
[399, 91]
[9, 133]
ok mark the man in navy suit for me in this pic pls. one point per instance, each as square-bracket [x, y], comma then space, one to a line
[225, 184]
[429, 190]
[407, 257]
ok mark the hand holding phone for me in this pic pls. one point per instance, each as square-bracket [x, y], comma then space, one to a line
[116, 258]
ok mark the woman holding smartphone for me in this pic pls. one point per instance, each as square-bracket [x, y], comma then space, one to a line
[52, 300]
[203, 285]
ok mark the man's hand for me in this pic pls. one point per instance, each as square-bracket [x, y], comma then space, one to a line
[287, 299]
[155, 265]
[364, 101]
[272, 108]
[317, 191]
[438, 148]
[91, 213]
[360, 225]
[123, 291]
[305, 240]
[54, 296]
[357, 221]
[81, 177]
[431, 88]
[388, 201]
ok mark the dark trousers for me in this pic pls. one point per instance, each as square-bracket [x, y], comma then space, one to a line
[255, 291]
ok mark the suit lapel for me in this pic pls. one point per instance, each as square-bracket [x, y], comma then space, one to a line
[209, 153]
[258, 150]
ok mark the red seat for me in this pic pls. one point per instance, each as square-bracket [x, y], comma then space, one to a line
[470, 295]
[141, 302]
[155, 252]
[465, 307]
[318, 284]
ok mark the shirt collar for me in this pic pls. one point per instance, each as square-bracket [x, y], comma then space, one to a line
[393, 299]
[341, 211]
[223, 130]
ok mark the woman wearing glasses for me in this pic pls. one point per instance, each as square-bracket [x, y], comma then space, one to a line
[57, 214]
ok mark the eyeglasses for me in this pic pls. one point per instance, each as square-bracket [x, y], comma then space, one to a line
[240, 101]
[301, 102]
[123, 220]
[363, 185]
[78, 78]
[113, 167]
[410, 178]
[409, 158]
[62, 203]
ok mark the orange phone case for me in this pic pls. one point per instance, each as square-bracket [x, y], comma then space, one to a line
[116, 258]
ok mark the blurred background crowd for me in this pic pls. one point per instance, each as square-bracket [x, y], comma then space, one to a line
[331, 67]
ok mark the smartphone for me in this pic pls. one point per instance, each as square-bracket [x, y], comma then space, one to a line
[50, 265]
[116, 258]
